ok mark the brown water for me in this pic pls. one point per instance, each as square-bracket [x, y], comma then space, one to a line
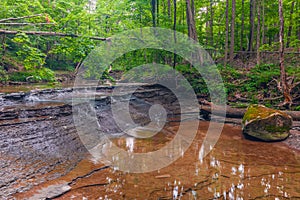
[235, 169]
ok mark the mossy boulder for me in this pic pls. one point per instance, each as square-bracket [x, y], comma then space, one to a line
[266, 124]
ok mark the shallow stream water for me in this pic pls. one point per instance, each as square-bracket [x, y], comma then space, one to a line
[42, 156]
[235, 169]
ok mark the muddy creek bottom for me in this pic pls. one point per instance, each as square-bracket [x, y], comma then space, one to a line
[236, 168]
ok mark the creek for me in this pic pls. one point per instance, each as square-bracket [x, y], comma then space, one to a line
[42, 155]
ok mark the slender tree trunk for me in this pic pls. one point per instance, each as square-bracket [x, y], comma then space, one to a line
[207, 27]
[258, 34]
[153, 12]
[191, 22]
[192, 29]
[211, 21]
[231, 54]
[157, 12]
[243, 25]
[263, 23]
[298, 27]
[182, 19]
[174, 28]
[226, 33]
[3, 45]
[284, 86]
[193, 8]
[252, 25]
[169, 9]
[290, 25]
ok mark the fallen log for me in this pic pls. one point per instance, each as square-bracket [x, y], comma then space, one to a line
[205, 110]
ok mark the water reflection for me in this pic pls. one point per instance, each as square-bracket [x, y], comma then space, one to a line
[235, 169]
[130, 143]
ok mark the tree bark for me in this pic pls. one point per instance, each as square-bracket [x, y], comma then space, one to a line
[226, 33]
[263, 23]
[285, 88]
[258, 34]
[192, 32]
[211, 31]
[191, 21]
[153, 12]
[290, 25]
[232, 32]
[174, 28]
[252, 25]
[243, 25]
[298, 26]
[157, 12]
[193, 8]
[169, 9]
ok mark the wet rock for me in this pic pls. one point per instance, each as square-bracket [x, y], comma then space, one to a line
[52, 191]
[266, 124]
[15, 96]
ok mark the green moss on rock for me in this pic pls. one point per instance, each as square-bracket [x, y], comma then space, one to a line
[266, 124]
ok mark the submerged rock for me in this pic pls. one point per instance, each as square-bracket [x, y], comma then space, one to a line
[266, 124]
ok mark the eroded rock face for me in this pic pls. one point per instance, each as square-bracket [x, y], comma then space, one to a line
[266, 124]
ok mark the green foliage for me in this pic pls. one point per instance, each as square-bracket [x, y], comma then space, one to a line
[32, 57]
[35, 75]
[3, 74]
[74, 49]
[260, 76]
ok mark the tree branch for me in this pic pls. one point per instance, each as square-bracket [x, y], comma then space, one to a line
[18, 18]
[50, 34]
[25, 24]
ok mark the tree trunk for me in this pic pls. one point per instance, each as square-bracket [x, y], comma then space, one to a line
[174, 28]
[226, 33]
[191, 21]
[192, 29]
[157, 12]
[263, 23]
[290, 25]
[243, 25]
[211, 31]
[232, 32]
[153, 12]
[258, 34]
[252, 26]
[284, 86]
[169, 9]
[298, 26]
[193, 8]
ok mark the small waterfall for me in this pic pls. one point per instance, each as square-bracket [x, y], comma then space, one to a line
[32, 98]
[1, 101]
